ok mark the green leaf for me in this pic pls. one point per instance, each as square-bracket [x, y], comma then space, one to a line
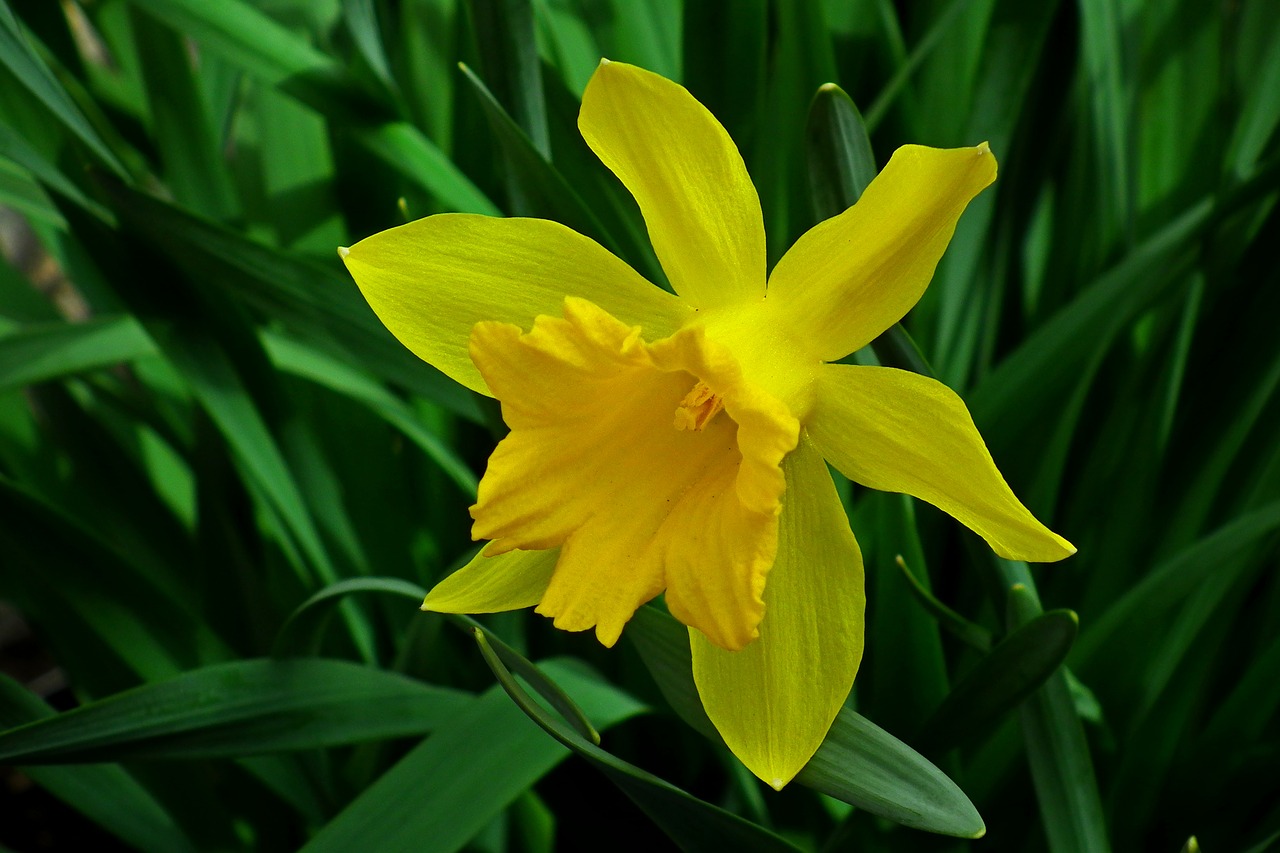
[53, 351]
[841, 162]
[301, 360]
[115, 622]
[251, 707]
[106, 794]
[858, 763]
[454, 783]
[547, 688]
[693, 824]
[254, 42]
[1061, 766]
[999, 683]
[509, 60]
[842, 165]
[1178, 576]
[318, 304]
[22, 152]
[301, 632]
[970, 633]
[361, 19]
[190, 150]
[20, 57]
[536, 187]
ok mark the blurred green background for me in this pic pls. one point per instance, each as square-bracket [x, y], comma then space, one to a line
[223, 485]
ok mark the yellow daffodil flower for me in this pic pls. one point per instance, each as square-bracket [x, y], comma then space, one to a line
[676, 443]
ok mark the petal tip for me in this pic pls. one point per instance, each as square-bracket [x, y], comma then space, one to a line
[777, 784]
[343, 251]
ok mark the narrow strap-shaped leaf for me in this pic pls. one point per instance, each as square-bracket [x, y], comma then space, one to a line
[537, 188]
[451, 786]
[131, 624]
[22, 152]
[1176, 577]
[970, 633]
[20, 57]
[318, 305]
[242, 708]
[858, 763]
[301, 632]
[509, 59]
[58, 350]
[1019, 664]
[525, 668]
[263, 48]
[841, 162]
[1061, 766]
[302, 360]
[692, 823]
[105, 793]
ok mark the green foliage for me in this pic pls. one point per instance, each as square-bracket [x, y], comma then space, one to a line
[223, 484]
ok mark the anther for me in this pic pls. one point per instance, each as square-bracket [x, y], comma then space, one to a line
[697, 408]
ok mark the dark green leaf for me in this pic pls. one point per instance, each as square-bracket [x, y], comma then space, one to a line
[237, 709]
[998, 684]
[693, 824]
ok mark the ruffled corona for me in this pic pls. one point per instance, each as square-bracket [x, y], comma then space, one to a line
[595, 466]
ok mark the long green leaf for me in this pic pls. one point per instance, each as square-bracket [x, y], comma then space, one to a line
[21, 58]
[106, 793]
[693, 824]
[56, 351]
[1017, 666]
[451, 786]
[251, 707]
[1061, 765]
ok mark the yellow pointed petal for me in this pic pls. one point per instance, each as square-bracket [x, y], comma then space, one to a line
[595, 463]
[900, 432]
[774, 701]
[431, 280]
[853, 276]
[686, 174]
[494, 584]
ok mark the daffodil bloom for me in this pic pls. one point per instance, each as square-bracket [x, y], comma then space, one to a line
[675, 444]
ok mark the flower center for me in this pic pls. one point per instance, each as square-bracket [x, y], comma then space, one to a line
[697, 408]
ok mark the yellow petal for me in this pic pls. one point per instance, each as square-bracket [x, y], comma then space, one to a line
[855, 275]
[686, 174]
[493, 584]
[431, 280]
[900, 432]
[774, 701]
[596, 464]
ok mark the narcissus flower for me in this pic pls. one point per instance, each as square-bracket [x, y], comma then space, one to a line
[676, 443]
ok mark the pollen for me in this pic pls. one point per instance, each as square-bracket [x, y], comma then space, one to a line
[697, 408]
